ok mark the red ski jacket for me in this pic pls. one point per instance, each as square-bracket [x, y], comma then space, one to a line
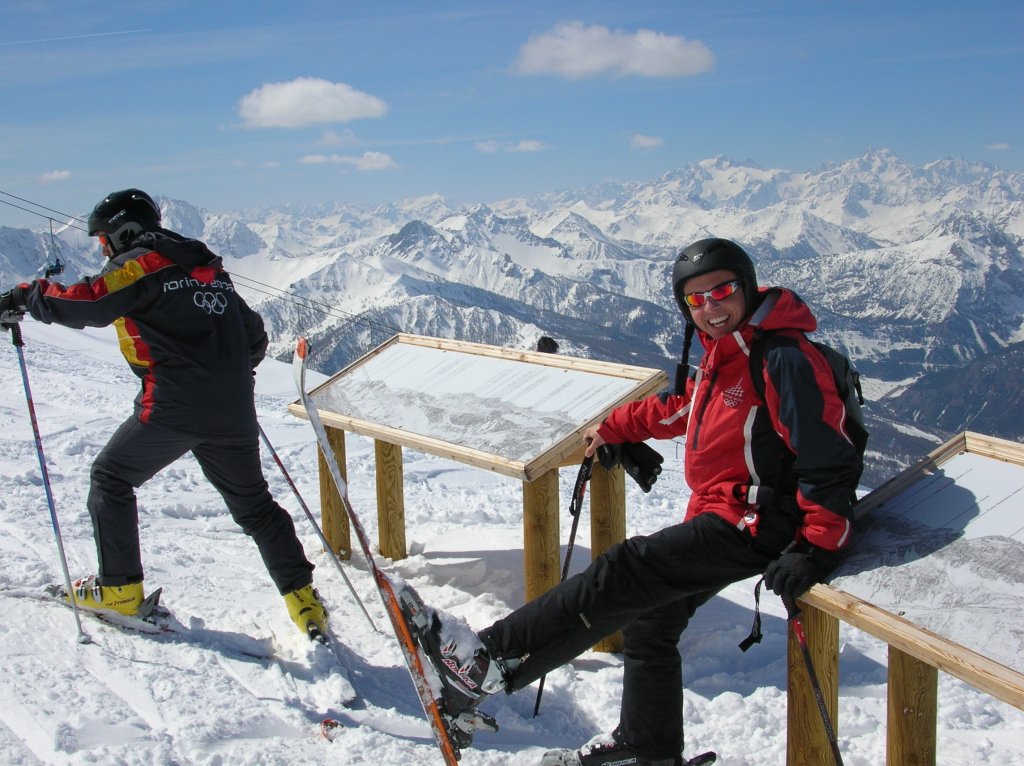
[737, 444]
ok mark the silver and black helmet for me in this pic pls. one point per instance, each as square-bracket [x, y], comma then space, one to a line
[708, 255]
[122, 216]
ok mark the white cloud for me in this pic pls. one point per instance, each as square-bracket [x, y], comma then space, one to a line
[374, 161]
[575, 51]
[365, 161]
[528, 146]
[306, 101]
[1000, 147]
[55, 175]
[493, 147]
[640, 141]
[337, 138]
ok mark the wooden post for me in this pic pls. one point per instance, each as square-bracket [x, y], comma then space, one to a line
[390, 500]
[912, 714]
[333, 517]
[541, 559]
[806, 741]
[607, 525]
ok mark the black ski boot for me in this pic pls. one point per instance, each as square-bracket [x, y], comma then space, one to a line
[465, 669]
[605, 751]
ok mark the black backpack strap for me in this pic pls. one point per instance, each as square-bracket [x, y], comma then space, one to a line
[756, 360]
[786, 482]
[758, 349]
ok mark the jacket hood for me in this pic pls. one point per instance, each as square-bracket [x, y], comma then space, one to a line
[186, 253]
[782, 309]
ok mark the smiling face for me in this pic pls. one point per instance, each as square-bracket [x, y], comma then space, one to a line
[716, 318]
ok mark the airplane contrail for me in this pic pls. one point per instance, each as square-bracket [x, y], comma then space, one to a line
[71, 37]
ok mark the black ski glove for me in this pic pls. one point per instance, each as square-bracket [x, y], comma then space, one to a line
[641, 462]
[11, 309]
[797, 569]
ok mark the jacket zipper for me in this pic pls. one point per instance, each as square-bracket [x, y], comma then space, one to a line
[699, 416]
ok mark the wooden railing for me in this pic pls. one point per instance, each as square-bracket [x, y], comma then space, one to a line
[915, 653]
[915, 657]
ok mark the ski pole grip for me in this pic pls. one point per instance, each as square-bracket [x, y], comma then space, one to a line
[791, 608]
[16, 338]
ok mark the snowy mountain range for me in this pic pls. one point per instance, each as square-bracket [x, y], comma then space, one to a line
[914, 270]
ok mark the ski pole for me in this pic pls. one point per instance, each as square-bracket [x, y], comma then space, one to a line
[83, 637]
[801, 639]
[319, 532]
[574, 510]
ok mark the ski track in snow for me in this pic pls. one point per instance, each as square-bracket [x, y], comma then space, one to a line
[165, 700]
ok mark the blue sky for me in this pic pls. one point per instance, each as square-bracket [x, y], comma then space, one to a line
[236, 104]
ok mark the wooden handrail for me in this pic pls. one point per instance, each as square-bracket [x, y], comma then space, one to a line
[987, 675]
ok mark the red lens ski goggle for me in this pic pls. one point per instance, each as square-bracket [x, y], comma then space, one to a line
[718, 292]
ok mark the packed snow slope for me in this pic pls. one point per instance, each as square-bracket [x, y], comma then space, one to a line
[204, 699]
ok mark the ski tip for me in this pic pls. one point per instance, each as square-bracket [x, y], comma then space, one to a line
[302, 347]
[704, 759]
[329, 728]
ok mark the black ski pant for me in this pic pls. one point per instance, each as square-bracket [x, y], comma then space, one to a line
[649, 586]
[137, 451]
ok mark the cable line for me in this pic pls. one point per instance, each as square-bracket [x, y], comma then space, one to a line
[306, 302]
[36, 204]
[248, 282]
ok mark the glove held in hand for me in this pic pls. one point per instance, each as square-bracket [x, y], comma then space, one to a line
[641, 462]
[795, 571]
[11, 308]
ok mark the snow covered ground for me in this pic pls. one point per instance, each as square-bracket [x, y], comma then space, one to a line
[163, 700]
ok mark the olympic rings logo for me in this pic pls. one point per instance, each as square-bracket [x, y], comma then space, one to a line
[211, 303]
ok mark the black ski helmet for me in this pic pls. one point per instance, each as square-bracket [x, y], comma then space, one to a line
[547, 344]
[123, 216]
[713, 254]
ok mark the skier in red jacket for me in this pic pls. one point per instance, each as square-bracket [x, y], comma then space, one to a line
[194, 344]
[772, 483]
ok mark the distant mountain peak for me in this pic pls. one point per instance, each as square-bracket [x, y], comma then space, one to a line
[912, 268]
[414, 234]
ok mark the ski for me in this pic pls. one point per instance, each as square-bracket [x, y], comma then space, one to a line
[327, 644]
[329, 728]
[704, 759]
[158, 621]
[443, 725]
